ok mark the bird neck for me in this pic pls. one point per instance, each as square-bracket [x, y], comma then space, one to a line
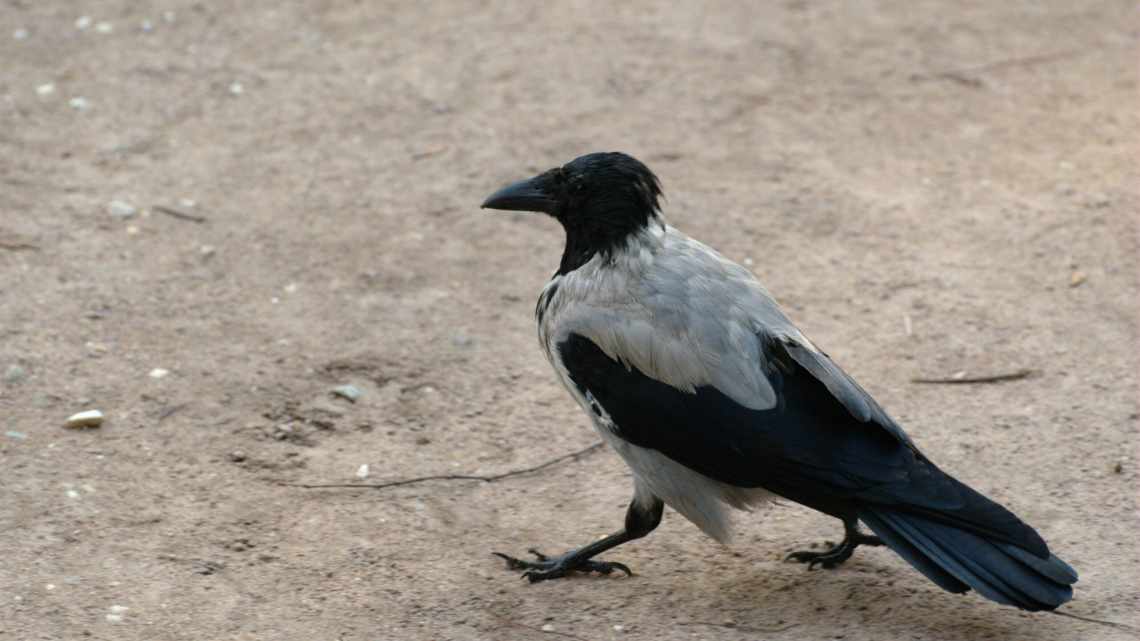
[590, 236]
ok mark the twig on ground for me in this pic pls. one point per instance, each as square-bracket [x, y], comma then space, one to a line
[1111, 624]
[976, 380]
[18, 246]
[452, 477]
[181, 215]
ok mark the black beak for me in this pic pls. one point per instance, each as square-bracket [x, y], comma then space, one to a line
[525, 195]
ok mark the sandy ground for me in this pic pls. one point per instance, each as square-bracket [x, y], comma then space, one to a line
[966, 171]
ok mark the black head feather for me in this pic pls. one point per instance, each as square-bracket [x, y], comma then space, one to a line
[600, 199]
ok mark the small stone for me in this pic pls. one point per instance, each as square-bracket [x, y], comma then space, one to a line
[45, 89]
[104, 27]
[72, 494]
[118, 609]
[1077, 279]
[362, 471]
[121, 209]
[237, 456]
[83, 23]
[158, 372]
[236, 88]
[619, 627]
[89, 418]
[19, 436]
[188, 203]
[14, 374]
[207, 251]
[1118, 468]
[133, 230]
[168, 16]
[291, 288]
[79, 103]
[147, 26]
[348, 392]
[96, 350]
[20, 34]
[546, 627]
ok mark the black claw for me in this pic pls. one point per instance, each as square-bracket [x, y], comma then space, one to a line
[546, 568]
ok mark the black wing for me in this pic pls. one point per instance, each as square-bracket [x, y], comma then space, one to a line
[826, 444]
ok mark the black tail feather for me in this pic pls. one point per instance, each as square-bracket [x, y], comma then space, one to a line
[957, 560]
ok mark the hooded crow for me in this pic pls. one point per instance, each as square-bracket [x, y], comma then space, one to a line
[692, 373]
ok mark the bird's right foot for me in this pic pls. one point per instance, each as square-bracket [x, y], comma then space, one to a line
[835, 556]
[544, 568]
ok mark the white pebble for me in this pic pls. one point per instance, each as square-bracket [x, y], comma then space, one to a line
[187, 202]
[20, 34]
[207, 250]
[121, 209]
[114, 618]
[546, 627]
[104, 27]
[348, 392]
[45, 89]
[83, 22]
[147, 25]
[118, 609]
[362, 471]
[133, 230]
[79, 103]
[89, 418]
[236, 88]
[291, 288]
[72, 494]
[619, 628]
[158, 372]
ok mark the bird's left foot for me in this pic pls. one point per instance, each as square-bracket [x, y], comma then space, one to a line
[835, 556]
[544, 567]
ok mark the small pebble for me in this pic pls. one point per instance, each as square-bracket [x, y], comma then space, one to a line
[121, 209]
[168, 16]
[619, 628]
[236, 88]
[83, 23]
[291, 288]
[188, 203]
[546, 627]
[104, 27]
[19, 436]
[1118, 468]
[362, 471]
[158, 372]
[79, 103]
[1077, 279]
[347, 392]
[237, 456]
[90, 418]
[147, 25]
[45, 89]
[207, 251]
[15, 374]
[133, 230]
[96, 350]
[20, 34]
[72, 494]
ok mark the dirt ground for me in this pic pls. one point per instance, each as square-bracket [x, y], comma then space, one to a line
[929, 188]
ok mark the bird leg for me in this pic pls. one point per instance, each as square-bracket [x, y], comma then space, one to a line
[833, 557]
[640, 519]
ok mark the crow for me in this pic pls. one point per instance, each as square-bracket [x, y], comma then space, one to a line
[690, 370]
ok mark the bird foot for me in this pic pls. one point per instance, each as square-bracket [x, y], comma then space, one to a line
[833, 557]
[544, 567]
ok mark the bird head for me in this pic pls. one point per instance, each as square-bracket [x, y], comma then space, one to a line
[601, 197]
